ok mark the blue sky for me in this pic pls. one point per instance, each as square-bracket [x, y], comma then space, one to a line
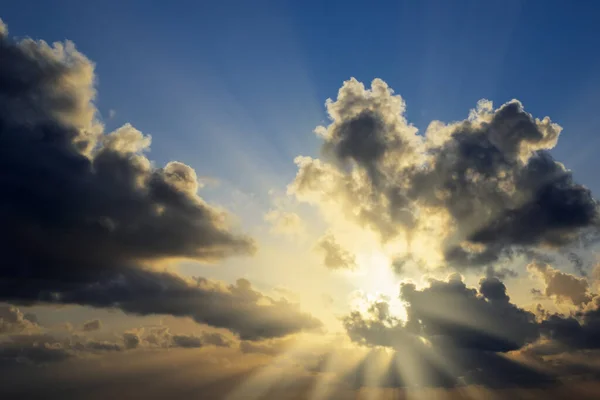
[220, 89]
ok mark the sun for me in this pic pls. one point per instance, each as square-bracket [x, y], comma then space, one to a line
[375, 279]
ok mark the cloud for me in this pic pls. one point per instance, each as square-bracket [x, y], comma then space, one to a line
[335, 256]
[578, 331]
[268, 347]
[215, 339]
[449, 323]
[560, 285]
[237, 307]
[12, 320]
[466, 330]
[50, 347]
[92, 325]
[187, 341]
[131, 339]
[93, 345]
[449, 314]
[33, 350]
[485, 186]
[84, 199]
[87, 211]
[162, 337]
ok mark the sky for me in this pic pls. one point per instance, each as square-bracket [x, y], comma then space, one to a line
[312, 200]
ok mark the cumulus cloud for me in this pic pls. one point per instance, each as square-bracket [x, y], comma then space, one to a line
[12, 320]
[484, 186]
[86, 211]
[560, 285]
[334, 255]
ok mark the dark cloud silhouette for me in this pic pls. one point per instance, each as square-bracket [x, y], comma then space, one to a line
[334, 255]
[83, 212]
[485, 186]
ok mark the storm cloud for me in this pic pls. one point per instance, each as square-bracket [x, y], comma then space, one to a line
[84, 212]
[485, 186]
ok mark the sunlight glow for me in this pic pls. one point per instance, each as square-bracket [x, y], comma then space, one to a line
[374, 279]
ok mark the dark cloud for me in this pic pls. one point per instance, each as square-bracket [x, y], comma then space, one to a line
[578, 331]
[465, 330]
[92, 325]
[163, 338]
[131, 340]
[449, 314]
[453, 335]
[39, 349]
[33, 350]
[485, 186]
[93, 345]
[84, 212]
[335, 256]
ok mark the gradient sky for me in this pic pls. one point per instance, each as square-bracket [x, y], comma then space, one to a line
[234, 90]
